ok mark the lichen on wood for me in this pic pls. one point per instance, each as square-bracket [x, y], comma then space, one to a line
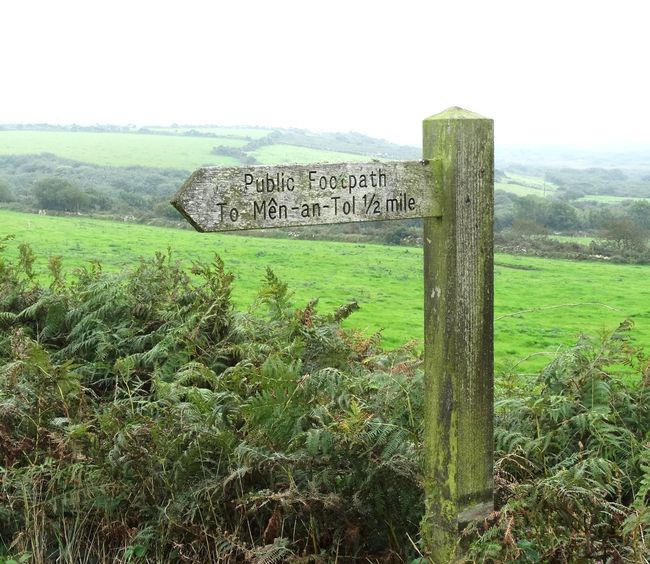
[458, 340]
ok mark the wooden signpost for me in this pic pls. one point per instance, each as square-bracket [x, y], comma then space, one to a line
[452, 188]
[259, 197]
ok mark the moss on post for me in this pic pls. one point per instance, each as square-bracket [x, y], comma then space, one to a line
[458, 325]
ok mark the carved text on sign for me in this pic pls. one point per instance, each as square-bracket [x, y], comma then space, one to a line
[225, 199]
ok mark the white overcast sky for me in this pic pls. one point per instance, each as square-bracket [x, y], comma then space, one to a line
[564, 72]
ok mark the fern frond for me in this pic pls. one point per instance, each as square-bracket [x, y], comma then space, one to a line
[272, 553]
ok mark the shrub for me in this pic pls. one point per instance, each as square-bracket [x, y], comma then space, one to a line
[573, 460]
[54, 193]
[143, 418]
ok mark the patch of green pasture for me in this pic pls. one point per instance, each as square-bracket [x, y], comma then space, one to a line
[518, 189]
[531, 181]
[120, 149]
[337, 273]
[543, 309]
[280, 153]
[523, 185]
[541, 306]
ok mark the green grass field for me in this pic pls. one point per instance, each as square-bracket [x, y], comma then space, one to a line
[518, 189]
[386, 281]
[522, 185]
[164, 151]
[120, 149]
[532, 181]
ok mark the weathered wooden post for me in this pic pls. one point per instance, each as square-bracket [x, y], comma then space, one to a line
[452, 189]
[458, 329]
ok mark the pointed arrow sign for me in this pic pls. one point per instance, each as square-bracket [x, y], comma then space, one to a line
[259, 197]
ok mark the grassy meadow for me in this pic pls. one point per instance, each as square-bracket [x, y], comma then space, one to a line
[120, 149]
[523, 185]
[517, 189]
[542, 305]
[162, 151]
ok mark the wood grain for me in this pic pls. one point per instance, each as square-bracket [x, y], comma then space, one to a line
[458, 325]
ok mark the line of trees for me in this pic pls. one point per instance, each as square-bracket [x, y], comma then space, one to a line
[48, 182]
[533, 214]
[526, 224]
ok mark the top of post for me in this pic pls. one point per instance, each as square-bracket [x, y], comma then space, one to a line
[455, 113]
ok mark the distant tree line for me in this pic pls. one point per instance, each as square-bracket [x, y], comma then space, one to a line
[47, 182]
[173, 130]
[537, 215]
[575, 183]
[620, 231]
